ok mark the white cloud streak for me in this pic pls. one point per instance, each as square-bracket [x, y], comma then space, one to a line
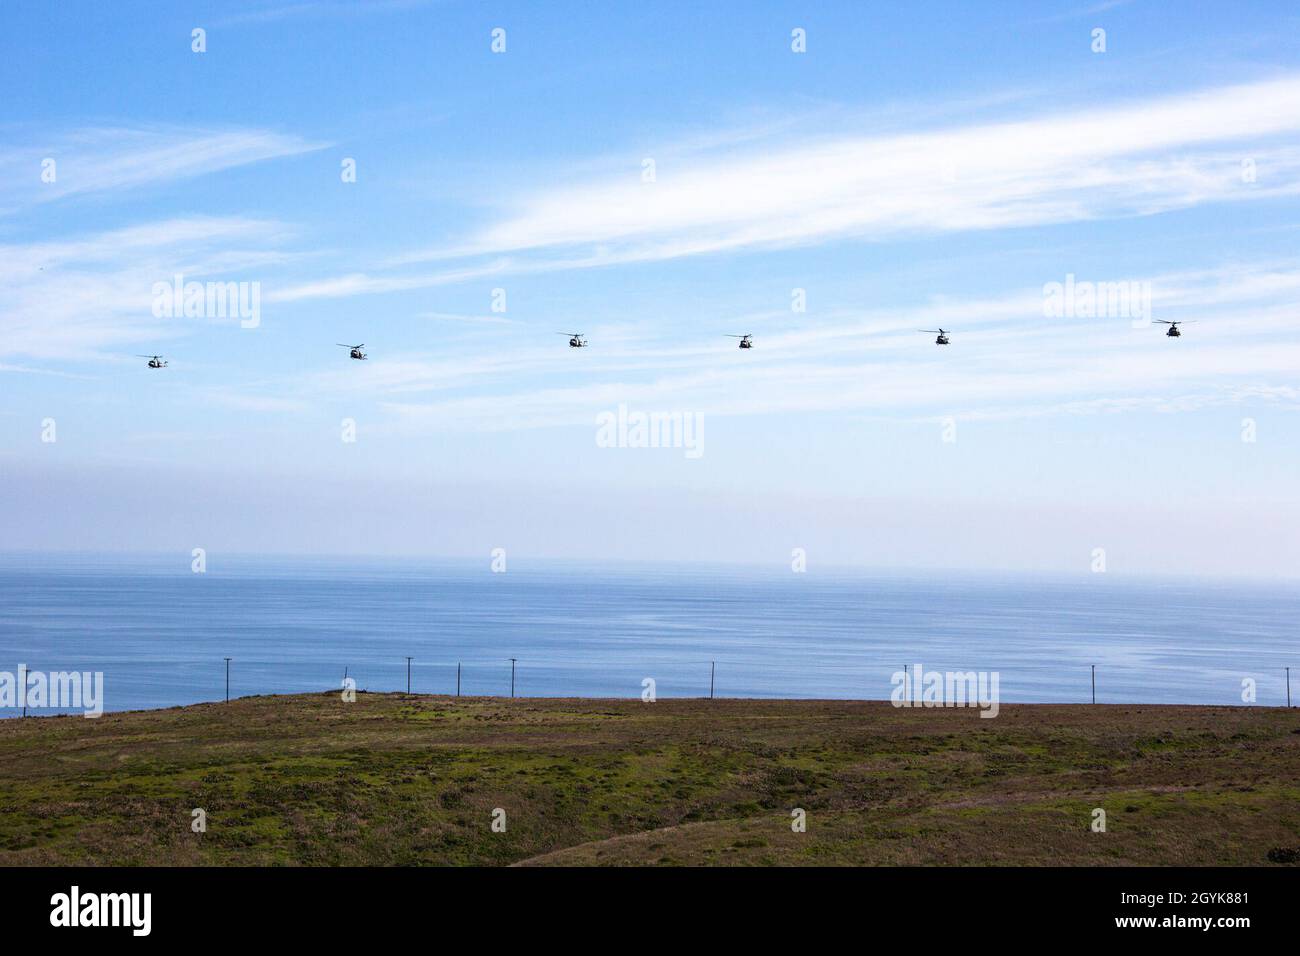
[1136, 159]
[70, 299]
[109, 160]
[762, 193]
[1007, 359]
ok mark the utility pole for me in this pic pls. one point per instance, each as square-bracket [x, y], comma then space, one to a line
[227, 680]
[1094, 683]
[713, 666]
[408, 677]
[458, 678]
[512, 676]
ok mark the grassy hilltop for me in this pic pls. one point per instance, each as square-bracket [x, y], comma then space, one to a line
[393, 779]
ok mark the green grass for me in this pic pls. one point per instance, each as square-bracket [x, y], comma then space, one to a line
[390, 779]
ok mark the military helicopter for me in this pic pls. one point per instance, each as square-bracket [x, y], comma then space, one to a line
[356, 352]
[942, 335]
[745, 342]
[155, 361]
[576, 341]
[1173, 332]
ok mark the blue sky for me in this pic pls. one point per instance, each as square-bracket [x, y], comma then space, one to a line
[911, 169]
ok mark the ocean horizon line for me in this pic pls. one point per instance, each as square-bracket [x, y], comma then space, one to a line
[534, 563]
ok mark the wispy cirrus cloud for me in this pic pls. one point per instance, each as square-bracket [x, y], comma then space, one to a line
[101, 160]
[1009, 360]
[1140, 158]
[1136, 158]
[752, 193]
[70, 299]
[1007, 386]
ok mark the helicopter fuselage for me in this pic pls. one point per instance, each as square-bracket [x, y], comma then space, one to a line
[1173, 332]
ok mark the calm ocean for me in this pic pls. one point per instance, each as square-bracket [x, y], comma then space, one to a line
[159, 632]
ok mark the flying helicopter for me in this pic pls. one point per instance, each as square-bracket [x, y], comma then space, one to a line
[155, 361]
[356, 352]
[942, 335]
[1173, 332]
[745, 342]
[576, 341]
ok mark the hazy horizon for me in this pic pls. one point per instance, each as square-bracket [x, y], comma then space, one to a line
[126, 558]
